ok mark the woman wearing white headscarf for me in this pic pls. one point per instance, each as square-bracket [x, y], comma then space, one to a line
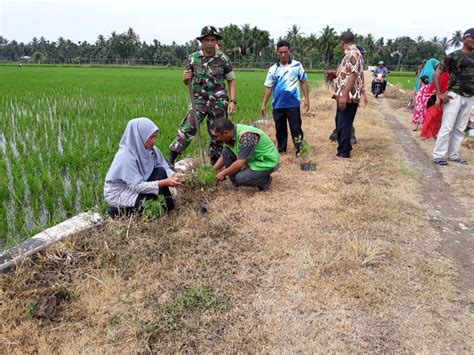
[139, 171]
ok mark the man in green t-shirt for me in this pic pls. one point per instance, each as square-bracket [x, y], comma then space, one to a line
[248, 157]
[457, 101]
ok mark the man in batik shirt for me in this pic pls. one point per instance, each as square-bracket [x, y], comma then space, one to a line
[348, 91]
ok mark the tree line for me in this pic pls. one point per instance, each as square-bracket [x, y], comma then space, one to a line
[245, 45]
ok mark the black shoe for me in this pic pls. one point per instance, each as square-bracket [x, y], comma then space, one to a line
[266, 186]
[353, 140]
[333, 136]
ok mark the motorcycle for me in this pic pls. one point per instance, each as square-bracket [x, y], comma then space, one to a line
[378, 84]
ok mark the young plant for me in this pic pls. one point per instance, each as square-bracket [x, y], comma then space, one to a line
[204, 176]
[153, 209]
[306, 150]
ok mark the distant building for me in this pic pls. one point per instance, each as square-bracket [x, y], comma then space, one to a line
[24, 59]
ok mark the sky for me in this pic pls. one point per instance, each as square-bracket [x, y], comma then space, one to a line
[182, 20]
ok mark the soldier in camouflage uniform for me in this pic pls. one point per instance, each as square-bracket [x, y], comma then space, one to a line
[208, 69]
[457, 101]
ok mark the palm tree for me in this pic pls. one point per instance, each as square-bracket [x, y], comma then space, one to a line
[435, 40]
[419, 39]
[246, 42]
[292, 33]
[327, 42]
[131, 41]
[456, 39]
[294, 36]
[310, 45]
[369, 45]
[444, 43]
[231, 40]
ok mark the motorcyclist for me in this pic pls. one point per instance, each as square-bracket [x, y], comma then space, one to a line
[381, 68]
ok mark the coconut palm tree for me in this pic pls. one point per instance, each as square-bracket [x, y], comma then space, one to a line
[456, 39]
[293, 33]
[130, 42]
[327, 42]
[444, 43]
[231, 40]
[370, 46]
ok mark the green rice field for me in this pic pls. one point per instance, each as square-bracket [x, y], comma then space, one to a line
[60, 128]
[405, 82]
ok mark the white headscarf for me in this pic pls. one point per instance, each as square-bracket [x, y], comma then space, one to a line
[133, 162]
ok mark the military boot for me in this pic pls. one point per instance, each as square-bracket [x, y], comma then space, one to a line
[172, 158]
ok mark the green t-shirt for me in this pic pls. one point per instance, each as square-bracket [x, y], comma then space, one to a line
[265, 157]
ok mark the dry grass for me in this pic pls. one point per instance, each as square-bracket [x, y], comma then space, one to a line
[339, 260]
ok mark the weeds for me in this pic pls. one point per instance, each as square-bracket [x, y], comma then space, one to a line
[30, 310]
[153, 209]
[365, 252]
[407, 172]
[193, 299]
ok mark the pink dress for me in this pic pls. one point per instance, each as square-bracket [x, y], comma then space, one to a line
[421, 99]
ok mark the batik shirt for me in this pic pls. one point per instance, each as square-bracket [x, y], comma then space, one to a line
[209, 78]
[352, 63]
[461, 72]
[285, 79]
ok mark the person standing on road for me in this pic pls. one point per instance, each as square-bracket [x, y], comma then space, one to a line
[457, 101]
[208, 69]
[348, 92]
[283, 79]
[333, 135]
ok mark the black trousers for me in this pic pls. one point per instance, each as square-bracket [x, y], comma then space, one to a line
[344, 122]
[157, 174]
[333, 135]
[247, 176]
[293, 116]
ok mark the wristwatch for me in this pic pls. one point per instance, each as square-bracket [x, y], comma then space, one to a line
[234, 101]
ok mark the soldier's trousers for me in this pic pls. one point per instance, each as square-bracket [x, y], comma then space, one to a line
[187, 132]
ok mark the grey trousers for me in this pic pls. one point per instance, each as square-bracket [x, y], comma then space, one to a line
[456, 115]
[246, 177]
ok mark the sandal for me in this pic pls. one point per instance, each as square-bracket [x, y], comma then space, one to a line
[459, 160]
[440, 161]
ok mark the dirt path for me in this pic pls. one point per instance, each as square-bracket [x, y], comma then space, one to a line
[445, 211]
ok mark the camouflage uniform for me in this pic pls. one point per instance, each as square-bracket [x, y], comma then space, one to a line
[210, 98]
